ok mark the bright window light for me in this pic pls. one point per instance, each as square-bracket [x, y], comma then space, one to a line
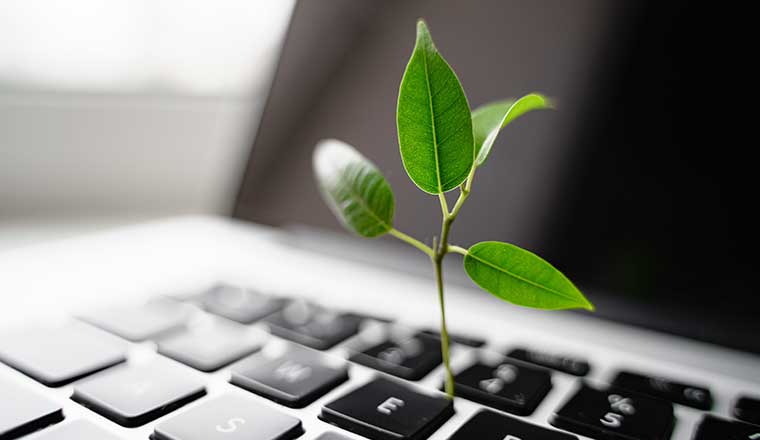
[185, 47]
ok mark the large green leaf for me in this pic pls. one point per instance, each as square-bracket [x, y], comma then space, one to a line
[521, 277]
[355, 190]
[489, 119]
[434, 121]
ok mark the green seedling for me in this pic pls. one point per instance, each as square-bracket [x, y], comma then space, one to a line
[442, 145]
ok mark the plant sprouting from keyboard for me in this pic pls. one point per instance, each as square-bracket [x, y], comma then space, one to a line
[443, 144]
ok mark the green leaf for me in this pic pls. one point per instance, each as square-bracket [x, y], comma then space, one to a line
[521, 277]
[489, 119]
[433, 119]
[355, 190]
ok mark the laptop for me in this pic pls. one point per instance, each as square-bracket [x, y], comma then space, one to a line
[273, 324]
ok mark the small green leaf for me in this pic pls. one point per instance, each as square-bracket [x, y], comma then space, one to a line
[489, 119]
[433, 119]
[355, 190]
[521, 277]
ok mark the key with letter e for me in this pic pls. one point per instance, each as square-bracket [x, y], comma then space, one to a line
[390, 405]
[385, 409]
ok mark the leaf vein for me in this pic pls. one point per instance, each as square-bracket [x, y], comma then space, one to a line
[432, 121]
[523, 279]
[359, 200]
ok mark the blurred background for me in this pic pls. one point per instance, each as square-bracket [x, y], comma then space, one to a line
[113, 112]
[119, 111]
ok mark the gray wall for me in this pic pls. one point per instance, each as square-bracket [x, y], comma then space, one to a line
[78, 155]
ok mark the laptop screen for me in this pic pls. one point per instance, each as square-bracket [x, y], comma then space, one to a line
[633, 187]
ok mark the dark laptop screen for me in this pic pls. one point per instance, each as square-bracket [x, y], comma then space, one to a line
[657, 198]
[639, 186]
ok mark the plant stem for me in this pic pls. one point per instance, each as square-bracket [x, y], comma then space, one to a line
[440, 249]
[412, 241]
[436, 255]
[444, 204]
[449, 383]
[468, 183]
[457, 249]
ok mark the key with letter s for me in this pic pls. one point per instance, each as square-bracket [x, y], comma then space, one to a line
[230, 417]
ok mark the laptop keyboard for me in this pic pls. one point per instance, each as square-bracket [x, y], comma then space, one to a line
[384, 409]
[517, 389]
[244, 419]
[686, 394]
[134, 395]
[615, 414]
[24, 412]
[211, 345]
[294, 377]
[293, 353]
[489, 425]
[410, 358]
[55, 357]
[312, 325]
[141, 323]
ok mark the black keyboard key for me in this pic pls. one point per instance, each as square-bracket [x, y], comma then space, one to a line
[313, 326]
[294, 377]
[714, 428]
[59, 355]
[154, 319]
[134, 395]
[685, 394]
[563, 363]
[239, 304]
[747, 409]
[615, 414]
[23, 411]
[411, 358]
[229, 417]
[211, 346]
[457, 339]
[76, 430]
[508, 386]
[488, 425]
[387, 410]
